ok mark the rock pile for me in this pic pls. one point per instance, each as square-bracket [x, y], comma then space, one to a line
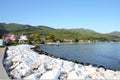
[23, 63]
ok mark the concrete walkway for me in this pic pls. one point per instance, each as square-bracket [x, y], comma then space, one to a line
[3, 73]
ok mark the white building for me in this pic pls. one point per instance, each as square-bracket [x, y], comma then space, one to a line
[1, 42]
[23, 38]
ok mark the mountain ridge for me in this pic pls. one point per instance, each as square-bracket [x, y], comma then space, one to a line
[115, 33]
[14, 27]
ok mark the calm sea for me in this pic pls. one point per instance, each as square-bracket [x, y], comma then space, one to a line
[106, 54]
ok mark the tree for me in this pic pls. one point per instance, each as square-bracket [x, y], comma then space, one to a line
[76, 40]
[33, 38]
[52, 37]
[36, 37]
[0, 36]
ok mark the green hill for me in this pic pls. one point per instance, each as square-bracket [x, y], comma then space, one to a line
[115, 33]
[83, 31]
[13, 27]
[62, 34]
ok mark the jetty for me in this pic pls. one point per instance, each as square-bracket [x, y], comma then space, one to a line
[27, 64]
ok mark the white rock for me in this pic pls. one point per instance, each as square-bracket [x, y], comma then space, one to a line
[9, 53]
[109, 74]
[101, 69]
[15, 74]
[25, 65]
[23, 69]
[78, 67]
[14, 65]
[25, 72]
[94, 77]
[16, 59]
[49, 65]
[68, 66]
[63, 76]
[41, 69]
[83, 68]
[38, 75]
[32, 65]
[35, 65]
[51, 75]
[31, 77]
[118, 74]
[90, 70]
[75, 75]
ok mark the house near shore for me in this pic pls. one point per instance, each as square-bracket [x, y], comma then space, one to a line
[9, 37]
[12, 38]
[23, 38]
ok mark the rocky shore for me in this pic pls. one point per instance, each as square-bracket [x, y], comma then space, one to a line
[23, 63]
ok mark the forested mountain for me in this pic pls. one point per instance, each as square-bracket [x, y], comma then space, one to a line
[83, 31]
[13, 27]
[115, 33]
[58, 34]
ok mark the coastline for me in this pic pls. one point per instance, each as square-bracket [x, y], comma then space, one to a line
[54, 43]
[41, 65]
[50, 55]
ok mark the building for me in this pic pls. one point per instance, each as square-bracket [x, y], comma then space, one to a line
[23, 38]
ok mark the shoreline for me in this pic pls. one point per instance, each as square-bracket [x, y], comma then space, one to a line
[55, 43]
[74, 61]
[23, 63]
[50, 43]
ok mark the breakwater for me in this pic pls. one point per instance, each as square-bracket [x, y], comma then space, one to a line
[22, 63]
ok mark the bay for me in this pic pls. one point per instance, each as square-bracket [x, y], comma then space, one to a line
[105, 54]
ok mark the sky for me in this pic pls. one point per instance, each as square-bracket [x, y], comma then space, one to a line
[100, 15]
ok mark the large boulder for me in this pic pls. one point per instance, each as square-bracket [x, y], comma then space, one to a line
[51, 75]
[25, 72]
[109, 74]
[35, 66]
[42, 69]
[8, 53]
[63, 76]
[73, 75]
[31, 77]
[14, 65]
[49, 65]
[68, 66]
[90, 70]
[78, 67]
[14, 74]
[24, 69]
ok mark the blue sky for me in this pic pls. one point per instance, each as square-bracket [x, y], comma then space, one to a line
[99, 15]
